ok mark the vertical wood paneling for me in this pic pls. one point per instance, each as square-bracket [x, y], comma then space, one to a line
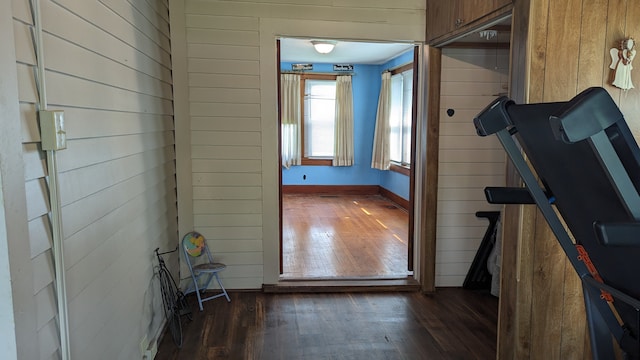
[537, 47]
[541, 308]
[430, 132]
[465, 173]
[593, 44]
[629, 100]
[512, 286]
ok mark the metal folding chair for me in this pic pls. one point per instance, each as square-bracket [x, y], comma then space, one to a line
[194, 246]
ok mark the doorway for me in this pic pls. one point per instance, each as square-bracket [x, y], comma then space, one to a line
[325, 209]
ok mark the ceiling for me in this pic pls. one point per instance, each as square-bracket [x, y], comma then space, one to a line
[349, 52]
[299, 50]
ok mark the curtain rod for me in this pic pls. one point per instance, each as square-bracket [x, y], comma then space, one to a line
[317, 73]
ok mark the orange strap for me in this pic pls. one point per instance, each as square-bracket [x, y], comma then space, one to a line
[584, 257]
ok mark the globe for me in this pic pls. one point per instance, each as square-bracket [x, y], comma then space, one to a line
[194, 243]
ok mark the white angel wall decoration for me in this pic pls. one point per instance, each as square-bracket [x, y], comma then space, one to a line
[621, 59]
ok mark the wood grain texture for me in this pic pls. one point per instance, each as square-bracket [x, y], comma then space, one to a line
[450, 324]
[562, 68]
[447, 20]
[541, 307]
[429, 201]
[630, 104]
[593, 54]
[343, 236]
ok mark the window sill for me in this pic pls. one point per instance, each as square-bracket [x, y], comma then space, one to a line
[316, 162]
[404, 170]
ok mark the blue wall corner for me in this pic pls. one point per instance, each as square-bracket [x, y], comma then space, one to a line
[366, 90]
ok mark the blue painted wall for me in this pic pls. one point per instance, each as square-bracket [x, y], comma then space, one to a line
[366, 90]
[393, 181]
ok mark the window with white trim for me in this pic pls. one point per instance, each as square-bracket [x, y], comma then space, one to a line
[400, 117]
[319, 103]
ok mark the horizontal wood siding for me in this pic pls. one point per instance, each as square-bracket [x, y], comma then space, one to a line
[108, 66]
[224, 98]
[471, 78]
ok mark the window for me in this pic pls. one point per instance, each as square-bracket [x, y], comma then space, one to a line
[319, 104]
[400, 117]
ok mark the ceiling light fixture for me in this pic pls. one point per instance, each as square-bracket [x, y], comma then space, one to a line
[323, 47]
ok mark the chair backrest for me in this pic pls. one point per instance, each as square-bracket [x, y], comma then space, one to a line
[194, 245]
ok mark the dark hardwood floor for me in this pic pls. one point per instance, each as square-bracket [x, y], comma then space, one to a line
[451, 324]
[343, 236]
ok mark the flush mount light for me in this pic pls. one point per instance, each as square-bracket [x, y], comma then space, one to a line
[323, 47]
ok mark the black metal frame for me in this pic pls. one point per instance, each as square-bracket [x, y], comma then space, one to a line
[587, 118]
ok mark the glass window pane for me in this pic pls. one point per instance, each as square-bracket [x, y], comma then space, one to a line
[395, 119]
[319, 116]
[407, 85]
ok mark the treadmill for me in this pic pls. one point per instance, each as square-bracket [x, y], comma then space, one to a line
[583, 161]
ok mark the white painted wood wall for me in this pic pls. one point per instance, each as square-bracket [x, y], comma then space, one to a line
[109, 68]
[230, 80]
[471, 78]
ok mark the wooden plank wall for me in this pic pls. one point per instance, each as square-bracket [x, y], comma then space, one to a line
[541, 307]
[227, 139]
[471, 79]
[108, 67]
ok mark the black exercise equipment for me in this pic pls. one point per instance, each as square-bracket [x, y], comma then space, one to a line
[479, 277]
[588, 167]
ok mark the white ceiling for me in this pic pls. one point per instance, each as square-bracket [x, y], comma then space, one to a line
[345, 52]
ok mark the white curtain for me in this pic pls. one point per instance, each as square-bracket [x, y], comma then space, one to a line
[290, 112]
[380, 158]
[343, 134]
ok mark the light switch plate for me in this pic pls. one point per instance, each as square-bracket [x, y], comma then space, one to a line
[52, 131]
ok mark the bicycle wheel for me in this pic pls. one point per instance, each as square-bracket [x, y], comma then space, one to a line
[171, 310]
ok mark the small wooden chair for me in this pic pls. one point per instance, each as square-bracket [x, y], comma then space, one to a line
[194, 246]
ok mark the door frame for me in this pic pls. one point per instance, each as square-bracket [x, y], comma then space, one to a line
[414, 121]
[270, 30]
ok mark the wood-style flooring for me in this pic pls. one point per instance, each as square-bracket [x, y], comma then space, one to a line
[451, 324]
[343, 236]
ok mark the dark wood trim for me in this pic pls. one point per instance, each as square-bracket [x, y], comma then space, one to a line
[501, 28]
[279, 153]
[346, 190]
[316, 76]
[404, 170]
[402, 202]
[429, 204]
[401, 69]
[342, 285]
[472, 26]
[412, 171]
[304, 160]
[315, 162]
[331, 189]
[477, 45]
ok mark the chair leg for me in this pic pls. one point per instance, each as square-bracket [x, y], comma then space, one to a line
[197, 290]
[222, 287]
